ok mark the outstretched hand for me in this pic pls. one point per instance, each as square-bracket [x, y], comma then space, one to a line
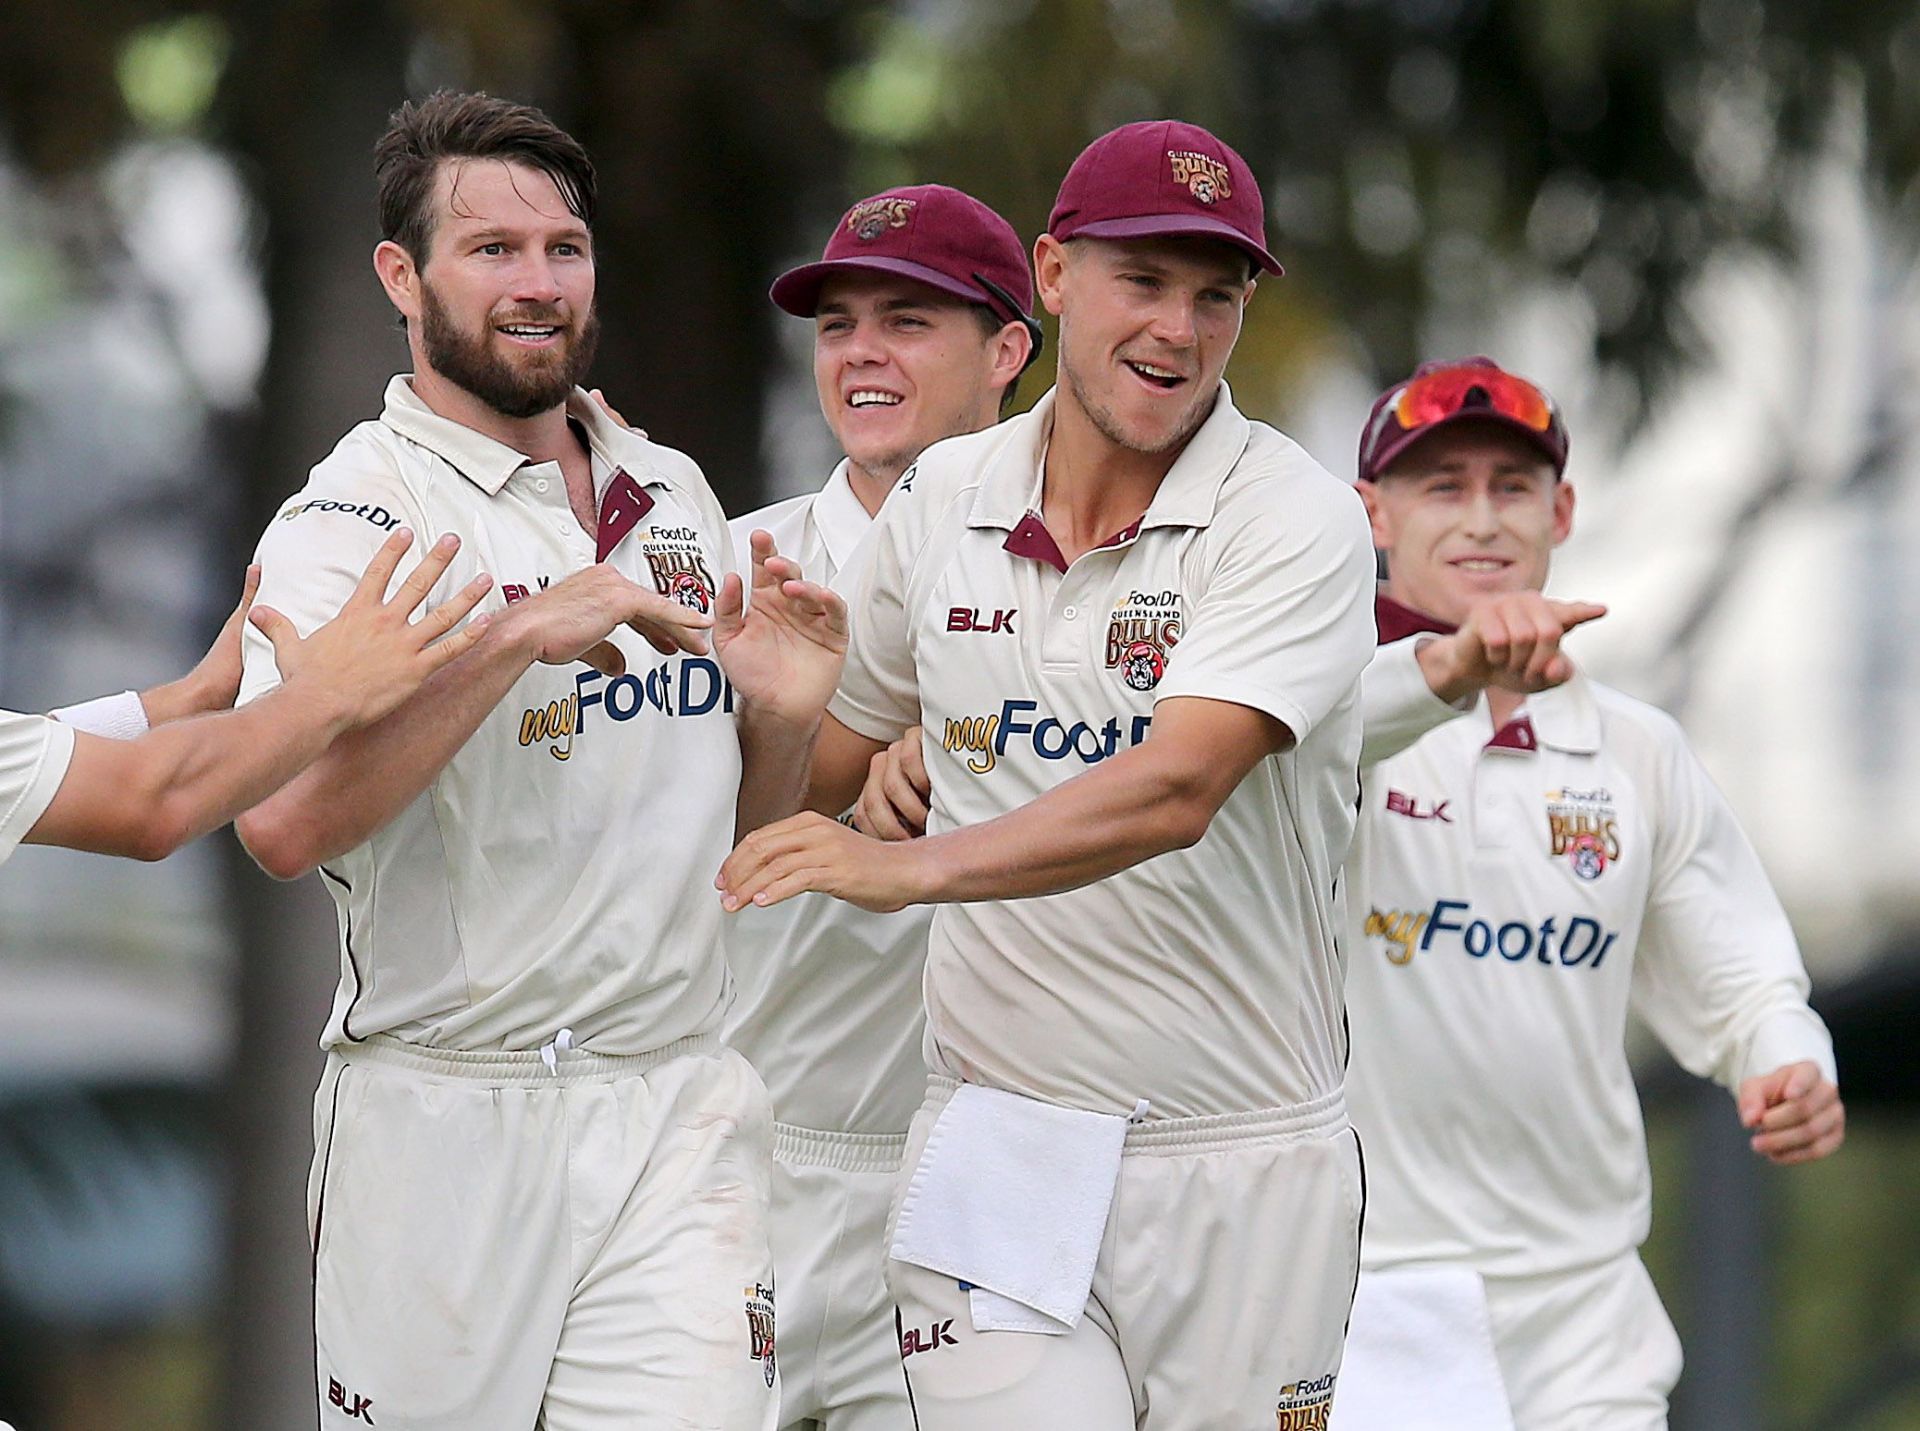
[373, 656]
[783, 650]
[1510, 641]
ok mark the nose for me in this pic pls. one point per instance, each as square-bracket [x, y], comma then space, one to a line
[1480, 520]
[535, 281]
[864, 345]
[1173, 321]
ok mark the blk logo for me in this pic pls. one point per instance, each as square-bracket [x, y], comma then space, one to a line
[968, 618]
[1401, 803]
[514, 591]
[357, 1408]
[937, 1335]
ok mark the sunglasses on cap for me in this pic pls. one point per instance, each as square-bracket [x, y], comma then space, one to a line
[1447, 392]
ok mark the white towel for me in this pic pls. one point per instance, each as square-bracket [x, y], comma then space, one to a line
[1420, 1355]
[1011, 1195]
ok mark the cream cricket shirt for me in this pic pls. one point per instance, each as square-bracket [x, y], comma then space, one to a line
[558, 872]
[1512, 896]
[34, 754]
[829, 1004]
[1206, 980]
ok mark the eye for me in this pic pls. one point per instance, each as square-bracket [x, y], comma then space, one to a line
[910, 320]
[1448, 485]
[1144, 281]
[1216, 296]
[568, 250]
[834, 325]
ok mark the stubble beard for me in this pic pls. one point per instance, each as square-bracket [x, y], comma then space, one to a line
[1108, 426]
[539, 383]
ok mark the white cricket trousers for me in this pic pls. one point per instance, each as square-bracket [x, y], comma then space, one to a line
[839, 1345]
[554, 1241]
[1219, 1300]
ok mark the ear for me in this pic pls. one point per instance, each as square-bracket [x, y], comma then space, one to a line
[1050, 271]
[399, 276]
[1562, 511]
[1379, 518]
[1009, 349]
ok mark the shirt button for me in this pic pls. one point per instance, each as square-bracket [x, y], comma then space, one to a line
[541, 485]
[1071, 612]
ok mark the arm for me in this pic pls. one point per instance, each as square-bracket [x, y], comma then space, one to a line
[1510, 641]
[783, 652]
[1160, 796]
[1718, 975]
[146, 797]
[367, 777]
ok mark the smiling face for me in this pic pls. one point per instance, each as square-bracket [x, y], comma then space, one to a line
[900, 365]
[502, 305]
[1467, 511]
[1146, 328]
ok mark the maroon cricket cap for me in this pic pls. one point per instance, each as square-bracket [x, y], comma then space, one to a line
[1453, 390]
[1161, 176]
[927, 232]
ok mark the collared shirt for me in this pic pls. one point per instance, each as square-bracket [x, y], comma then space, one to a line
[558, 871]
[1205, 980]
[829, 1006]
[34, 754]
[1513, 894]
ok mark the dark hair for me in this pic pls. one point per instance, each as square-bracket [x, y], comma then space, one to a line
[451, 125]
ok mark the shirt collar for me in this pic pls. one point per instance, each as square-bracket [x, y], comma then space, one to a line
[839, 517]
[488, 464]
[1566, 718]
[1396, 622]
[1186, 497]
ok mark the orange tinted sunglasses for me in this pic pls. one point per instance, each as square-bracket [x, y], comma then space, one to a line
[1443, 393]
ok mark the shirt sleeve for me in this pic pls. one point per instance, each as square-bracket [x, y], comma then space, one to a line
[879, 695]
[1397, 706]
[1285, 624]
[313, 554]
[1718, 974]
[34, 754]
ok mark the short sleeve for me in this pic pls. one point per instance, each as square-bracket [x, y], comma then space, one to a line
[34, 754]
[1718, 975]
[313, 554]
[1284, 623]
[879, 695]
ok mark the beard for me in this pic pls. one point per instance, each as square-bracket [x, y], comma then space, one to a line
[1108, 425]
[518, 388]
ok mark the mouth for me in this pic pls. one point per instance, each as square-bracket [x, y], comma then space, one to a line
[1154, 376]
[872, 397]
[1480, 565]
[531, 335]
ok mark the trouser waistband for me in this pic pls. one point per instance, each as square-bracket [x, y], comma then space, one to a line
[1317, 1118]
[846, 1152]
[536, 1068]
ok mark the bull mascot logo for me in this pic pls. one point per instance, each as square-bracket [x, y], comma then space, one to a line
[1205, 177]
[1142, 666]
[691, 592]
[1588, 856]
[868, 220]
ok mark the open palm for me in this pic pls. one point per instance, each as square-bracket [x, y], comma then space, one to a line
[783, 649]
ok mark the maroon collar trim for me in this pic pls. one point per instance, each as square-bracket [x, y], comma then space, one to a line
[1397, 622]
[1516, 734]
[1030, 538]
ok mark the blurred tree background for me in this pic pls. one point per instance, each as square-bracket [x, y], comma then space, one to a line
[1440, 173]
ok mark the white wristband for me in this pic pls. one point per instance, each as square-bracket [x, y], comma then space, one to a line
[120, 717]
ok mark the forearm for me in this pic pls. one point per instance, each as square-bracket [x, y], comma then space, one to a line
[1128, 809]
[365, 778]
[177, 700]
[775, 756]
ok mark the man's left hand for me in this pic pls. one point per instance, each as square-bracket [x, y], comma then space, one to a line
[811, 852]
[215, 682]
[784, 650]
[1795, 1113]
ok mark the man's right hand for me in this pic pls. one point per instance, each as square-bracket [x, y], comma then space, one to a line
[893, 803]
[1510, 641]
[373, 656]
[570, 621]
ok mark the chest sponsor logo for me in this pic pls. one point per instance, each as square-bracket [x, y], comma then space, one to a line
[1141, 634]
[356, 1407]
[1583, 827]
[1401, 803]
[513, 591]
[971, 618]
[1306, 1405]
[367, 512]
[982, 739]
[683, 686]
[678, 563]
[760, 1327]
[1575, 941]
